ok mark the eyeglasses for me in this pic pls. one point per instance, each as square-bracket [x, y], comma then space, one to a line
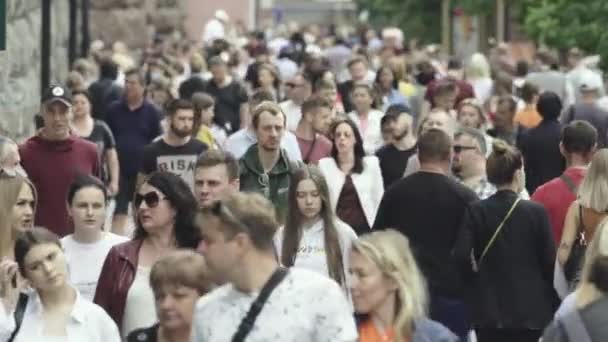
[460, 148]
[151, 198]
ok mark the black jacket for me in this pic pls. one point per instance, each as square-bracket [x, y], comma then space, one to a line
[514, 285]
[542, 159]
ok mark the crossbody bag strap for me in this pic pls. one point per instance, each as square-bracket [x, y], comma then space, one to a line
[19, 313]
[569, 183]
[491, 242]
[256, 307]
[312, 147]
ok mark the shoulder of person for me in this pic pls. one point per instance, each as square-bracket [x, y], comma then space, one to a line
[215, 297]
[429, 330]
[149, 334]
[344, 230]
[371, 161]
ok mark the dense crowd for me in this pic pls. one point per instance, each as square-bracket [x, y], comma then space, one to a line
[308, 184]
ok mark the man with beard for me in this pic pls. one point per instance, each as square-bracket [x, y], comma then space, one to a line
[175, 151]
[314, 124]
[393, 157]
[265, 168]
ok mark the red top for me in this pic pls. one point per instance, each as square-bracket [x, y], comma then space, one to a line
[314, 150]
[52, 167]
[556, 197]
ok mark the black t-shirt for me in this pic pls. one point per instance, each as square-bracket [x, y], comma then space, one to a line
[180, 160]
[393, 162]
[190, 86]
[428, 208]
[102, 136]
[228, 102]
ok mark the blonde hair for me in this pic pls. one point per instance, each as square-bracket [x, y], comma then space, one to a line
[7, 146]
[10, 186]
[593, 191]
[478, 67]
[390, 251]
[182, 268]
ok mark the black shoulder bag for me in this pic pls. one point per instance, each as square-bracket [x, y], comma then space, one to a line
[573, 264]
[256, 307]
[19, 313]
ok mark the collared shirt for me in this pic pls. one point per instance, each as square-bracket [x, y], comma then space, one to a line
[88, 322]
[239, 142]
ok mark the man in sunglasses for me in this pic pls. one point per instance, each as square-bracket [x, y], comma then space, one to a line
[298, 89]
[53, 157]
[238, 248]
[265, 167]
[469, 161]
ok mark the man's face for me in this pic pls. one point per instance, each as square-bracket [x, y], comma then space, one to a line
[387, 130]
[182, 122]
[218, 72]
[436, 120]
[133, 87]
[504, 115]
[221, 253]
[212, 183]
[298, 89]
[468, 116]
[358, 71]
[270, 130]
[329, 94]
[56, 116]
[466, 154]
[402, 126]
[322, 120]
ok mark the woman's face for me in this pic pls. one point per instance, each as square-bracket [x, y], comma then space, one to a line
[386, 79]
[370, 288]
[23, 210]
[154, 211]
[469, 117]
[82, 106]
[344, 138]
[308, 199]
[175, 306]
[362, 99]
[207, 116]
[45, 267]
[88, 209]
[265, 78]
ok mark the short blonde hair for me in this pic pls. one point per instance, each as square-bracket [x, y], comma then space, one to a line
[390, 251]
[593, 191]
[182, 268]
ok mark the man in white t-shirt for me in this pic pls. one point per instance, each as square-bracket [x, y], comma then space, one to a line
[298, 89]
[304, 306]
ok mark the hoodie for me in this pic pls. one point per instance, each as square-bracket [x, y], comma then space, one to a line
[52, 167]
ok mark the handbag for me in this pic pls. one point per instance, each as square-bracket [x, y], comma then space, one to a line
[256, 307]
[477, 263]
[19, 313]
[574, 263]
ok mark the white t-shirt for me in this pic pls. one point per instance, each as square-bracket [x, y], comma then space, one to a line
[140, 308]
[85, 261]
[304, 307]
[311, 251]
[293, 112]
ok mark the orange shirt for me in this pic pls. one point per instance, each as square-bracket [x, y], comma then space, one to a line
[369, 333]
[528, 117]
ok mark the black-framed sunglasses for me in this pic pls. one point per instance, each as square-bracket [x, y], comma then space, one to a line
[460, 148]
[151, 198]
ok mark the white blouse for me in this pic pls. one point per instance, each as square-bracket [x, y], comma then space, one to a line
[140, 308]
[88, 322]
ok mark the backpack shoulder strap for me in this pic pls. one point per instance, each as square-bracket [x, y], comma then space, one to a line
[19, 313]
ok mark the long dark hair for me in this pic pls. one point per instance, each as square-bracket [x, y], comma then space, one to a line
[359, 152]
[292, 232]
[179, 195]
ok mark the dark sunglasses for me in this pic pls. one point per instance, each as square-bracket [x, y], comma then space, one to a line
[460, 148]
[151, 198]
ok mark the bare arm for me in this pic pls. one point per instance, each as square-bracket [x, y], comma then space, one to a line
[568, 234]
[112, 158]
[244, 114]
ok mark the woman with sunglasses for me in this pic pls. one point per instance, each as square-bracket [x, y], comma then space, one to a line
[51, 310]
[312, 237]
[389, 292]
[164, 209]
[367, 117]
[178, 280]
[88, 246]
[507, 252]
[355, 180]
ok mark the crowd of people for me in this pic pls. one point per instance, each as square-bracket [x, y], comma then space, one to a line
[308, 185]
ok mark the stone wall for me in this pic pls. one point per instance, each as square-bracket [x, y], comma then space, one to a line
[133, 21]
[20, 63]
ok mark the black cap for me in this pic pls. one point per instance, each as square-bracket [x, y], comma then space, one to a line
[57, 92]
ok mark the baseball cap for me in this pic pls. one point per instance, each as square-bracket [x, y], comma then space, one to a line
[57, 92]
[590, 81]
